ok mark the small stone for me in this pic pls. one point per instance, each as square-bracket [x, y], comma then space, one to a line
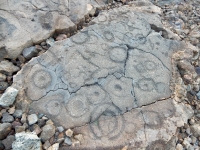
[60, 129]
[76, 143]
[60, 140]
[32, 119]
[26, 125]
[68, 141]
[41, 122]
[6, 117]
[5, 128]
[195, 129]
[8, 97]
[50, 42]
[20, 129]
[49, 122]
[79, 137]
[21, 59]
[47, 132]
[61, 37]
[125, 148]
[16, 123]
[37, 130]
[194, 139]
[191, 121]
[2, 77]
[11, 110]
[46, 145]
[43, 44]
[69, 133]
[29, 52]
[8, 68]
[54, 147]
[17, 113]
[44, 118]
[23, 119]
[179, 147]
[188, 131]
[40, 116]
[26, 141]
[3, 86]
[8, 142]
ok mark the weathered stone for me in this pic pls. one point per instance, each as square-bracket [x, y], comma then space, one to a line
[17, 113]
[54, 147]
[68, 141]
[2, 77]
[69, 133]
[32, 119]
[19, 129]
[195, 129]
[11, 110]
[2, 146]
[7, 67]
[8, 142]
[46, 145]
[8, 97]
[47, 132]
[61, 37]
[112, 82]
[6, 117]
[3, 86]
[30, 52]
[5, 128]
[25, 141]
[60, 129]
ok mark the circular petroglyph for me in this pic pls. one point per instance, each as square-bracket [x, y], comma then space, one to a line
[152, 119]
[118, 54]
[117, 87]
[140, 38]
[53, 107]
[102, 18]
[80, 38]
[42, 79]
[109, 36]
[106, 123]
[77, 106]
[161, 87]
[146, 84]
[95, 94]
[140, 68]
[150, 65]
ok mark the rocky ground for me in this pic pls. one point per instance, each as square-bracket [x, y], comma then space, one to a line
[181, 22]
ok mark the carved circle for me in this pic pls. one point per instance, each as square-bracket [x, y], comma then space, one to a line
[42, 79]
[95, 94]
[102, 18]
[150, 65]
[80, 38]
[108, 36]
[146, 84]
[117, 87]
[77, 106]
[53, 107]
[118, 54]
[161, 87]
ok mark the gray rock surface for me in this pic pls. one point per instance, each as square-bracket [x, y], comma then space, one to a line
[32, 119]
[30, 52]
[6, 117]
[23, 22]
[26, 141]
[112, 82]
[8, 96]
[7, 67]
[5, 128]
[47, 132]
[8, 142]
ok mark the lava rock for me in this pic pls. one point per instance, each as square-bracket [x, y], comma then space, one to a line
[25, 141]
[8, 97]
[47, 132]
[30, 52]
[5, 128]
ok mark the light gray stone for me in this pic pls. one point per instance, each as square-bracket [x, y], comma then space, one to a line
[7, 67]
[18, 113]
[6, 117]
[47, 132]
[32, 119]
[25, 141]
[2, 77]
[68, 141]
[8, 97]
[30, 52]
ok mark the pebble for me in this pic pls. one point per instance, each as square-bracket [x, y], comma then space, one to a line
[69, 133]
[60, 129]
[8, 142]
[68, 141]
[16, 123]
[2, 77]
[195, 129]
[3, 86]
[179, 147]
[41, 122]
[23, 119]
[6, 117]
[17, 113]
[20, 129]
[47, 132]
[50, 41]
[191, 121]
[11, 110]
[49, 121]
[30, 52]
[46, 145]
[32, 119]
[61, 37]
[37, 130]
[198, 95]
[8, 68]
[54, 147]
[5, 128]
[79, 137]
[8, 96]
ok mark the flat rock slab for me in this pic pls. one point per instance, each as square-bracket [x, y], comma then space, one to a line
[24, 23]
[111, 82]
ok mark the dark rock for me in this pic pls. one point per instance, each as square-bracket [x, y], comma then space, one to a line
[7, 117]
[3, 86]
[17, 113]
[5, 128]
[47, 132]
[30, 52]
[16, 123]
[2, 146]
[8, 142]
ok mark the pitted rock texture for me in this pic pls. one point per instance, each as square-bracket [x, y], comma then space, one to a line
[22, 22]
[111, 82]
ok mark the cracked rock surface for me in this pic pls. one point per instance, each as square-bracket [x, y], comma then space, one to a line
[22, 22]
[111, 82]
